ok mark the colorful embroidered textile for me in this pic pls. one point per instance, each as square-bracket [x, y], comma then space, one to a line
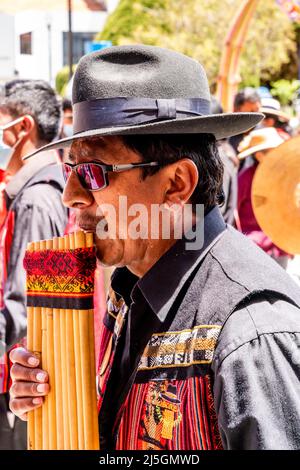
[61, 278]
[165, 415]
[161, 413]
[180, 348]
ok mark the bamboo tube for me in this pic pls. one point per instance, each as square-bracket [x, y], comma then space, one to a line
[94, 412]
[31, 417]
[95, 428]
[30, 325]
[64, 375]
[76, 330]
[45, 426]
[58, 371]
[37, 348]
[45, 422]
[86, 375]
[51, 371]
[71, 374]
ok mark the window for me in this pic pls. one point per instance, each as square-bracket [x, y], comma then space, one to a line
[26, 43]
[80, 44]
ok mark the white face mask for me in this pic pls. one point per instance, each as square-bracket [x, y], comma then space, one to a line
[68, 130]
[6, 151]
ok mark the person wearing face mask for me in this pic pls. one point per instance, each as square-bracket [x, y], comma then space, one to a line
[4, 157]
[66, 129]
[30, 115]
[257, 145]
[67, 118]
[5, 150]
[4, 153]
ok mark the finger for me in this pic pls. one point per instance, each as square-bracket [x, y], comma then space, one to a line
[25, 374]
[28, 389]
[24, 357]
[21, 406]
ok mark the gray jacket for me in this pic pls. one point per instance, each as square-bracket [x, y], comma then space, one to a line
[234, 315]
[34, 195]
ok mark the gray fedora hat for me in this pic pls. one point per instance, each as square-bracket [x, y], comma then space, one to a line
[140, 90]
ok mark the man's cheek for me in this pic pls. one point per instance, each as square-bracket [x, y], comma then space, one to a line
[106, 227]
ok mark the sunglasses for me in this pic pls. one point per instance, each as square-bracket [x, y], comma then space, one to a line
[94, 176]
[11, 123]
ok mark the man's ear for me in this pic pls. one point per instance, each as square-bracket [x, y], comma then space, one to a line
[26, 126]
[183, 178]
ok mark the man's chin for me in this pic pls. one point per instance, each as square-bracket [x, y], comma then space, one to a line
[109, 255]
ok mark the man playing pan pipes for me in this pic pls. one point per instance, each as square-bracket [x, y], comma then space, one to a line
[200, 344]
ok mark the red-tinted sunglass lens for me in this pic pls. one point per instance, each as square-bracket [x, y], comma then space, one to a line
[66, 171]
[91, 175]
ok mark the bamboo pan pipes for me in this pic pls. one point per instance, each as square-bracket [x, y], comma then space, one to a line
[60, 287]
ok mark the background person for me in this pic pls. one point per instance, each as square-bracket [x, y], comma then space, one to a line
[30, 116]
[245, 101]
[67, 118]
[231, 165]
[275, 117]
[257, 145]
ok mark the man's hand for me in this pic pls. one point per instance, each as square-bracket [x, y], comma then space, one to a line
[29, 383]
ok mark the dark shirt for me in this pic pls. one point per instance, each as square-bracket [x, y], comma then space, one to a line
[256, 363]
[151, 299]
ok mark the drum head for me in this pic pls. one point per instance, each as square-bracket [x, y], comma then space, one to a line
[276, 195]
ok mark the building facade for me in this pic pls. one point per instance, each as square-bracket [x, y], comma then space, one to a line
[34, 35]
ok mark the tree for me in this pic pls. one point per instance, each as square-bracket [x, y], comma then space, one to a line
[198, 28]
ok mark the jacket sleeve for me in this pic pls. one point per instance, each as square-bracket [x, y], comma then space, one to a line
[33, 221]
[257, 379]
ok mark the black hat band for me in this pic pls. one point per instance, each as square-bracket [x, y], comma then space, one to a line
[113, 112]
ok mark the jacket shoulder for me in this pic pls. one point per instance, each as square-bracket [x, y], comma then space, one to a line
[234, 272]
[244, 263]
[266, 316]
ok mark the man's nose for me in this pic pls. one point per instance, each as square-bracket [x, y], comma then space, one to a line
[75, 195]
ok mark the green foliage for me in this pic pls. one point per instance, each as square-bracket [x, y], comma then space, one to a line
[131, 15]
[285, 90]
[62, 79]
[199, 27]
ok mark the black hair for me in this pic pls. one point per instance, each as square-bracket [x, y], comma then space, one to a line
[66, 104]
[39, 100]
[200, 148]
[9, 86]
[248, 95]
